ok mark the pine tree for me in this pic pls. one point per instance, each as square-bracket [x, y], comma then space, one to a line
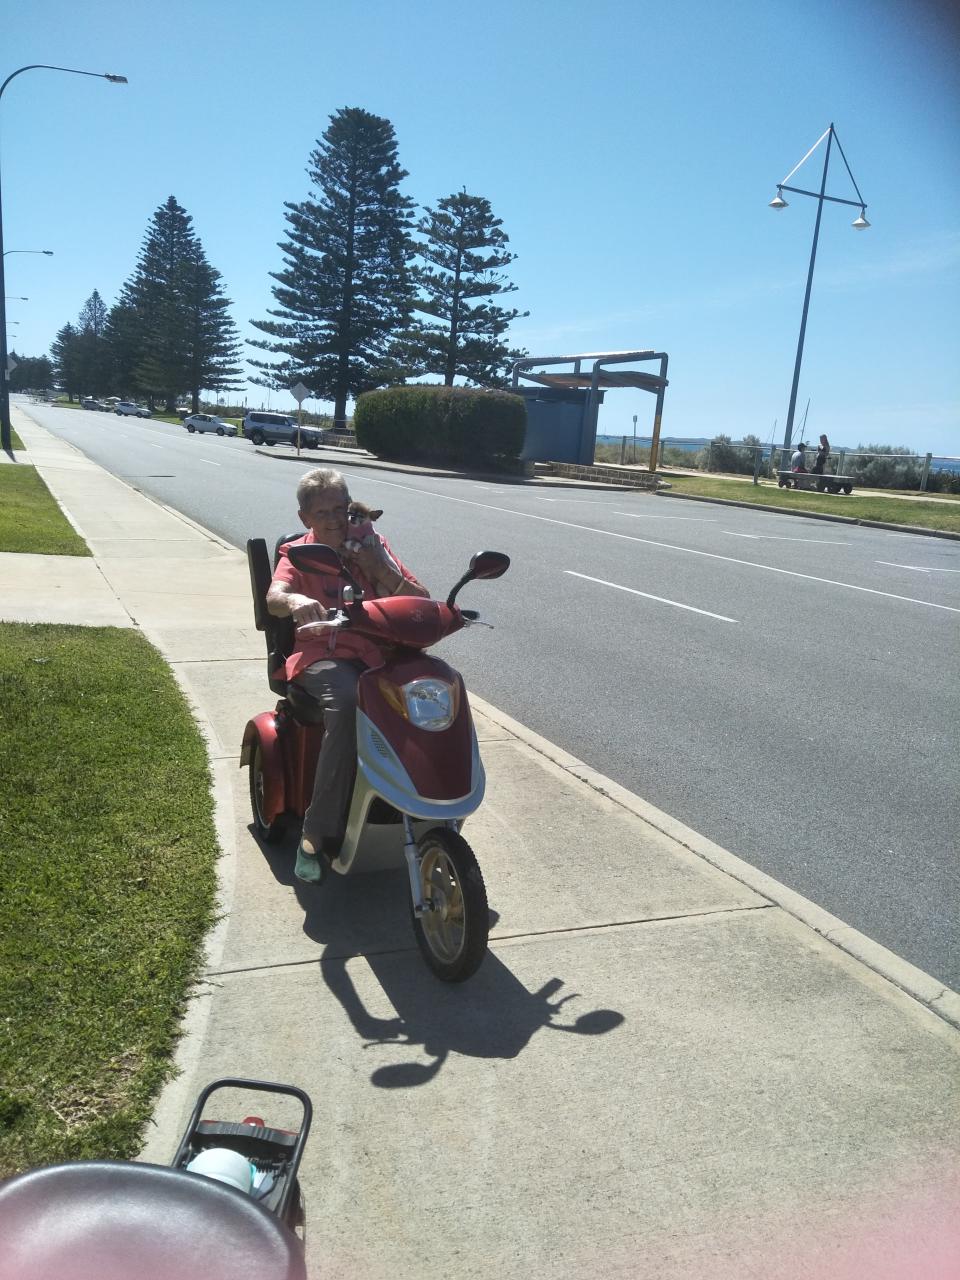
[66, 363]
[33, 373]
[212, 345]
[344, 293]
[463, 253]
[170, 331]
[93, 352]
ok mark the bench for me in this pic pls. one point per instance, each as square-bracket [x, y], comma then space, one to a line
[809, 480]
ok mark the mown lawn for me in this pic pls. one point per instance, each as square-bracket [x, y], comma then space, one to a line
[925, 515]
[107, 883]
[30, 519]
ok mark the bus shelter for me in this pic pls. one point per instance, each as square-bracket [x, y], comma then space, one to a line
[562, 406]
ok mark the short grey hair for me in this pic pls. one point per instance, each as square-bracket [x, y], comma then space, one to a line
[318, 481]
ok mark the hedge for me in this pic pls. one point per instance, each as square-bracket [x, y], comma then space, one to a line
[443, 424]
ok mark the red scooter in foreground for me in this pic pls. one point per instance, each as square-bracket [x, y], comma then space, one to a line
[419, 773]
[229, 1206]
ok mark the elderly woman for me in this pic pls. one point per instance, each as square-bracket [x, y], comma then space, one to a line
[328, 661]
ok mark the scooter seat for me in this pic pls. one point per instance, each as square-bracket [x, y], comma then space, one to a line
[112, 1220]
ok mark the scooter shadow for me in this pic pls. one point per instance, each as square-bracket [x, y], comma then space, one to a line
[492, 1015]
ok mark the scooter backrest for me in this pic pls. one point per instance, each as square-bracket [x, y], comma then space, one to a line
[278, 632]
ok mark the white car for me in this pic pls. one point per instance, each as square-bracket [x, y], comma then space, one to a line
[208, 422]
[126, 408]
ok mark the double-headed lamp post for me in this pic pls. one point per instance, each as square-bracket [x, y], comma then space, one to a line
[5, 435]
[859, 223]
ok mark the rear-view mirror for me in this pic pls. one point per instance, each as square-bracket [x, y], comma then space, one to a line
[307, 556]
[489, 564]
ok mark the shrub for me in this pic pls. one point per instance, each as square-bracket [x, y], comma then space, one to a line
[444, 424]
[721, 454]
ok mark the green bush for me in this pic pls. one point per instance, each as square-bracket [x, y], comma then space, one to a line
[442, 424]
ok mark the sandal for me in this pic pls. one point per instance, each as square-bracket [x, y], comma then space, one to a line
[310, 867]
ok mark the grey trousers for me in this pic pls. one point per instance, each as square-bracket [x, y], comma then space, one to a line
[333, 682]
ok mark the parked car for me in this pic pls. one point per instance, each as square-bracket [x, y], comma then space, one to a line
[126, 408]
[279, 428]
[89, 403]
[202, 422]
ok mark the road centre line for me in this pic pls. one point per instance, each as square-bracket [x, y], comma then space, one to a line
[633, 515]
[669, 546]
[647, 596]
[209, 463]
[918, 568]
[774, 537]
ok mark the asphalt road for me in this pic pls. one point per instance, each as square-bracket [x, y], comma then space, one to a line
[787, 687]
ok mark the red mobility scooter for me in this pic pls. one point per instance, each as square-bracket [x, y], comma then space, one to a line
[419, 773]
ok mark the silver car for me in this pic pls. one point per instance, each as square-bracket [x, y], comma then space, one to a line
[202, 422]
[126, 408]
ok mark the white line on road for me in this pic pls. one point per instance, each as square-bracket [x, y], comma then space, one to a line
[209, 463]
[647, 596]
[669, 546]
[918, 568]
[632, 515]
[774, 537]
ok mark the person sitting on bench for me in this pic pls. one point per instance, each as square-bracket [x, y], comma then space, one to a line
[799, 460]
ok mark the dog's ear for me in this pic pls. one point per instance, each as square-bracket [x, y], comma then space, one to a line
[373, 514]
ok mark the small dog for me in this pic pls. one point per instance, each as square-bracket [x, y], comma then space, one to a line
[361, 532]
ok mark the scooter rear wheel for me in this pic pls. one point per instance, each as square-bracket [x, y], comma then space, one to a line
[452, 936]
[269, 832]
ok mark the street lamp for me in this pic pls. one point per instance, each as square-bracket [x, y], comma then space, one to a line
[859, 223]
[5, 432]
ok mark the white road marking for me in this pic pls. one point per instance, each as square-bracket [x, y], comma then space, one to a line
[647, 596]
[669, 546]
[632, 515]
[209, 463]
[774, 537]
[539, 499]
[918, 568]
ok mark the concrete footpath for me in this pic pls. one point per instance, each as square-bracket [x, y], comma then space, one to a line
[668, 1066]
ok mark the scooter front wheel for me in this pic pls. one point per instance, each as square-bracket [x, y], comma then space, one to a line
[452, 934]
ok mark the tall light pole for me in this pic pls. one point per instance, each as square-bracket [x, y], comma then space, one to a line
[5, 436]
[859, 223]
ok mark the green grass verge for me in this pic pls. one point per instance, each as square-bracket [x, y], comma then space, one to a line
[15, 441]
[108, 855]
[922, 515]
[30, 519]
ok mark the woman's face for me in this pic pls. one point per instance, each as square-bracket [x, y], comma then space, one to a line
[326, 516]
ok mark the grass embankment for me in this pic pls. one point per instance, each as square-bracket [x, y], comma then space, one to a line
[30, 519]
[107, 868]
[108, 853]
[858, 506]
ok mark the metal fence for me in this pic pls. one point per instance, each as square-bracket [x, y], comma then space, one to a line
[926, 473]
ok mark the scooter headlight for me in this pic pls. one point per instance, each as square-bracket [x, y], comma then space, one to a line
[428, 704]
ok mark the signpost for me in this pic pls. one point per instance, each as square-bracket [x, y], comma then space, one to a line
[299, 393]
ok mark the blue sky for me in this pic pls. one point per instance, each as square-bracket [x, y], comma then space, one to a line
[631, 151]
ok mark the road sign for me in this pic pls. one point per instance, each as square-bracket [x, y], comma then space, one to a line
[300, 392]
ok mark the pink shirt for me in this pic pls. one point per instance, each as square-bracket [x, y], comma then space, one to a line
[328, 589]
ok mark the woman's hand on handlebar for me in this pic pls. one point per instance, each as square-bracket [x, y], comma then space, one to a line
[303, 609]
